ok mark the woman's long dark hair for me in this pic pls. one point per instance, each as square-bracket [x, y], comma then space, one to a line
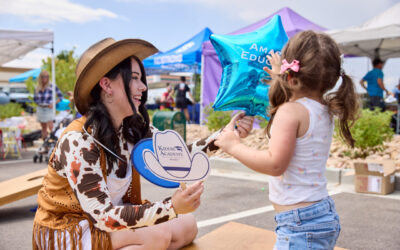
[134, 127]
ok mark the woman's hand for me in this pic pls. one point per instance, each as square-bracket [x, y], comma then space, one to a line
[188, 200]
[242, 123]
[50, 106]
[276, 62]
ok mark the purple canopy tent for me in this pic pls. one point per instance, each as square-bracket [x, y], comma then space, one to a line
[211, 67]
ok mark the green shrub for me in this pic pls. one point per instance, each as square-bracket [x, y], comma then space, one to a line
[216, 119]
[370, 131]
[10, 110]
[197, 87]
[151, 112]
[261, 121]
[65, 64]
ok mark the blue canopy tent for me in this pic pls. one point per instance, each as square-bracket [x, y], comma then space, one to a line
[34, 73]
[183, 58]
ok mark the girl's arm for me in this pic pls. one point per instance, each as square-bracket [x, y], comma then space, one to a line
[275, 160]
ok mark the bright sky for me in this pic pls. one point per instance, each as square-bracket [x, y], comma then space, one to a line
[167, 23]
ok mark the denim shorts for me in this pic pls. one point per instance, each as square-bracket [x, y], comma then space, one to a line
[376, 101]
[314, 227]
[44, 114]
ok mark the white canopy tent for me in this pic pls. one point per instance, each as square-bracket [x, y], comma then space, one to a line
[16, 43]
[378, 37]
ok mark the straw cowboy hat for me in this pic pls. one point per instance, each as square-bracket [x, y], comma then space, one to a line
[99, 59]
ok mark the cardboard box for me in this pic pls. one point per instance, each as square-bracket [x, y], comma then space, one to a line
[374, 177]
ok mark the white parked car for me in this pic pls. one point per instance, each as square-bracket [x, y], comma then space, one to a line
[18, 94]
[4, 98]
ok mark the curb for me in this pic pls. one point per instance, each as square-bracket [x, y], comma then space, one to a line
[333, 175]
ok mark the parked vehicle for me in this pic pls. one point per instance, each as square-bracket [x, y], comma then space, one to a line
[4, 98]
[18, 94]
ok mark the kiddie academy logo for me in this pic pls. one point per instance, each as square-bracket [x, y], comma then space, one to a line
[174, 151]
[256, 54]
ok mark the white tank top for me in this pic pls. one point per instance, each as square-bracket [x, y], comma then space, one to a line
[304, 180]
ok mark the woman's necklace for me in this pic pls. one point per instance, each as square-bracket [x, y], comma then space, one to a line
[111, 152]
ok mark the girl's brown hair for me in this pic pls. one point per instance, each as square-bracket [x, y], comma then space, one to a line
[320, 69]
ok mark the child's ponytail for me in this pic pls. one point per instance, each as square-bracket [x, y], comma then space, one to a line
[279, 93]
[344, 104]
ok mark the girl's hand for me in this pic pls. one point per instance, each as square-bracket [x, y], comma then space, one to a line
[276, 62]
[228, 138]
[188, 200]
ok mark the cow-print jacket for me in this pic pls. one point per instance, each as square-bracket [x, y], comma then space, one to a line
[77, 158]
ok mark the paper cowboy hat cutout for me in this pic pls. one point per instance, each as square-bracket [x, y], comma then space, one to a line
[142, 169]
[171, 160]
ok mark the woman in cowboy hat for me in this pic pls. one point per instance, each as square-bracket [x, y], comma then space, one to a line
[90, 198]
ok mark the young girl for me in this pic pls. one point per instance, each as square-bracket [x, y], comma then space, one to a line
[300, 132]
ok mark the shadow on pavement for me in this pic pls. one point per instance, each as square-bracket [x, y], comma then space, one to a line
[16, 213]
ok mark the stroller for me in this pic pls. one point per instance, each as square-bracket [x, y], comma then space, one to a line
[45, 150]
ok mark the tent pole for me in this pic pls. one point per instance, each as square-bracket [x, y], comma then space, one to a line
[398, 119]
[53, 78]
[194, 91]
[201, 89]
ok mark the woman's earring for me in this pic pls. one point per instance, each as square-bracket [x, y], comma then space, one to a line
[109, 98]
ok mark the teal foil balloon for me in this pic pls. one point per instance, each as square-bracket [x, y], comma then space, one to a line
[242, 58]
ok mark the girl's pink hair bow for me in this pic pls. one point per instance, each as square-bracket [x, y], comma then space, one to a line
[295, 66]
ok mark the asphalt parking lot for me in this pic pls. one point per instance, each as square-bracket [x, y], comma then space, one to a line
[237, 194]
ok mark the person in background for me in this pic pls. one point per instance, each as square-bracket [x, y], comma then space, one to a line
[180, 100]
[43, 97]
[166, 99]
[396, 92]
[70, 95]
[375, 85]
[396, 95]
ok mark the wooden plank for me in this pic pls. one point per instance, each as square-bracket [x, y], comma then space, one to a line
[236, 236]
[233, 235]
[21, 187]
